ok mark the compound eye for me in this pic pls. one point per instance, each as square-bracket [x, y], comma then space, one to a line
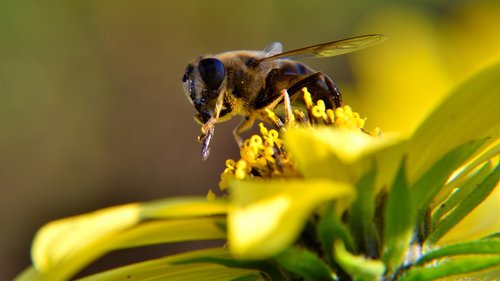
[213, 72]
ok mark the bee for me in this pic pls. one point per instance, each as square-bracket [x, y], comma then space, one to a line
[248, 83]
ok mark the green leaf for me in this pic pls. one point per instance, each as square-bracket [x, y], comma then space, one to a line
[469, 112]
[331, 228]
[466, 206]
[492, 236]
[267, 216]
[266, 267]
[362, 214]
[430, 183]
[464, 172]
[461, 193]
[358, 267]
[399, 221]
[483, 246]
[464, 265]
[250, 277]
[158, 271]
[175, 268]
[305, 264]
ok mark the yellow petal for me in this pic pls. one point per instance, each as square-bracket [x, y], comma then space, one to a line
[267, 216]
[63, 247]
[64, 239]
[344, 155]
[183, 207]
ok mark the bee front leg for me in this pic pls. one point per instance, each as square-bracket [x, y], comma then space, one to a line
[207, 133]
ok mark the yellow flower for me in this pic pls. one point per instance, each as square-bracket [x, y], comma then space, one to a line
[321, 198]
[263, 156]
[331, 151]
[320, 159]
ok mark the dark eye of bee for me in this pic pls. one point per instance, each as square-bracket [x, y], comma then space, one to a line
[213, 72]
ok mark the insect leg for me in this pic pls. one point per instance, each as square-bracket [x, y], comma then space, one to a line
[288, 107]
[205, 148]
[207, 130]
[207, 133]
[245, 124]
[321, 87]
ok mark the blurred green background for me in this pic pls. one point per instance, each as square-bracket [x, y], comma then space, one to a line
[92, 112]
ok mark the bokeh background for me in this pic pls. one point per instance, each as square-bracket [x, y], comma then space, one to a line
[92, 112]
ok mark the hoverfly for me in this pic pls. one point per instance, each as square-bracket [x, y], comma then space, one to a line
[247, 83]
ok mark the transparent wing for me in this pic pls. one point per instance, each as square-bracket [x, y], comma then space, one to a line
[334, 48]
[273, 49]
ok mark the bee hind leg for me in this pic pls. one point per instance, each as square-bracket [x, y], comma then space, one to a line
[321, 87]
